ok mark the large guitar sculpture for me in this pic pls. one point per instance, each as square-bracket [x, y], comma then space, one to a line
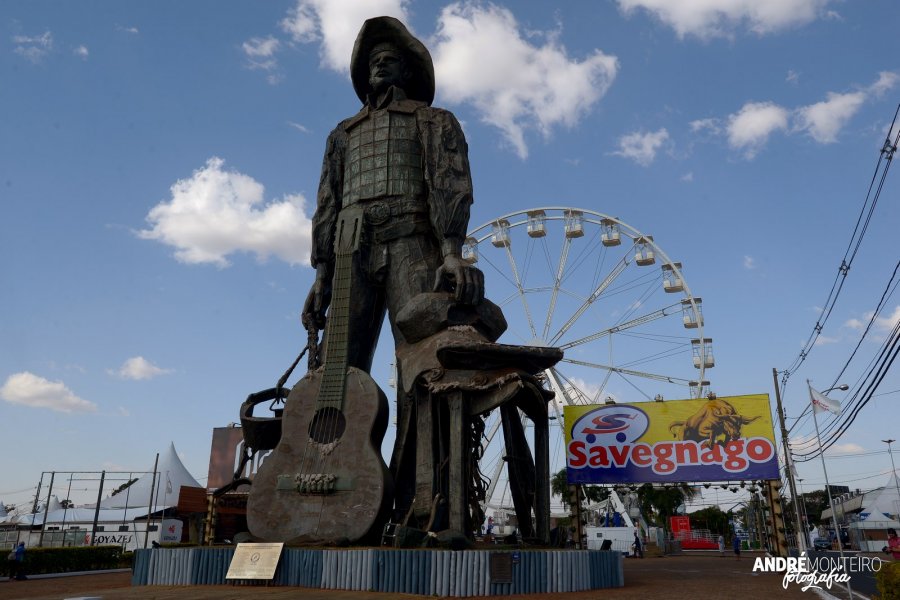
[326, 480]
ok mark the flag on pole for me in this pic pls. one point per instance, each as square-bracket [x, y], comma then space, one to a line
[821, 402]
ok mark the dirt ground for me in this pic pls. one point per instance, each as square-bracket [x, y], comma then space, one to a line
[672, 578]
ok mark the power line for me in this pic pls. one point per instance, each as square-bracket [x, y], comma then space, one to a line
[889, 290]
[862, 223]
[888, 354]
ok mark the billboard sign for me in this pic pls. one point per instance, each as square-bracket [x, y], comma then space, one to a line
[716, 439]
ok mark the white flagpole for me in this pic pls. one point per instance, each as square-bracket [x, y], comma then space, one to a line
[837, 530]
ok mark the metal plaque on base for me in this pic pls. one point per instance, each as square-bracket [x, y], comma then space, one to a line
[254, 561]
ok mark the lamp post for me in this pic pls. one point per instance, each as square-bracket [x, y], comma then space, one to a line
[788, 466]
[894, 472]
[837, 530]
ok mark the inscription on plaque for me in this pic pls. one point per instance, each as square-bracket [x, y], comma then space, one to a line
[501, 567]
[254, 561]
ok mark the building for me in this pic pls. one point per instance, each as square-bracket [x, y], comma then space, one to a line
[866, 516]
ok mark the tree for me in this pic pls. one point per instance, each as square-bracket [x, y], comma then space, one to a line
[559, 486]
[662, 501]
[712, 518]
[815, 502]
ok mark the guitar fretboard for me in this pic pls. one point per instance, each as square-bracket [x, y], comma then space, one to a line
[331, 392]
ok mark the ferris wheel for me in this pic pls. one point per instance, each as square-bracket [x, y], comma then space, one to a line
[604, 293]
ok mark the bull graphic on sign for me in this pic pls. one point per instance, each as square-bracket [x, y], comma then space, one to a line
[716, 423]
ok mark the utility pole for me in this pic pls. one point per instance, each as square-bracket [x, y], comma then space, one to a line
[894, 473]
[788, 467]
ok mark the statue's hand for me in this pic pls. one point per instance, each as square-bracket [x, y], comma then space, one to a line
[458, 276]
[313, 316]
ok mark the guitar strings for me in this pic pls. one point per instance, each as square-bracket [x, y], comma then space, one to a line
[309, 460]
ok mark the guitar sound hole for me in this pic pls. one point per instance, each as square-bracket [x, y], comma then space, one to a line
[327, 425]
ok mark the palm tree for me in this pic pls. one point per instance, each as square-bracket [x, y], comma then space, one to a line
[559, 486]
[663, 501]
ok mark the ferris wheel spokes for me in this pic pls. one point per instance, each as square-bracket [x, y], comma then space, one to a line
[518, 281]
[557, 282]
[614, 274]
[657, 314]
[624, 371]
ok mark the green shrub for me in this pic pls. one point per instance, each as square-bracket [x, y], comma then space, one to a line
[888, 581]
[64, 560]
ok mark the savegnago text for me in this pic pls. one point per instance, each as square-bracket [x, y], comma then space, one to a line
[816, 572]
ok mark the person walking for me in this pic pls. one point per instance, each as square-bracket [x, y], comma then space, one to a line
[722, 545]
[16, 561]
[638, 547]
[736, 544]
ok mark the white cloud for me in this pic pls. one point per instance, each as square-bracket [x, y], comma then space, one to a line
[261, 47]
[887, 80]
[824, 340]
[138, 368]
[722, 18]
[823, 120]
[482, 58]
[849, 448]
[750, 127]
[749, 262]
[260, 55]
[33, 48]
[31, 390]
[123, 412]
[642, 147]
[792, 77]
[855, 324]
[133, 30]
[688, 177]
[335, 23]
[81, 52]
[886, 324]
[216, 212]
[298, 127]
[711, 125]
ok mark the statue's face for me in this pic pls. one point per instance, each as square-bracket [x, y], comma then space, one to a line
[386, 68]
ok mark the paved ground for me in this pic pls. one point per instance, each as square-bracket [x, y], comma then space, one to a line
[670, 578]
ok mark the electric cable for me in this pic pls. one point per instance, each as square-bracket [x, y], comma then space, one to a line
[866, 211]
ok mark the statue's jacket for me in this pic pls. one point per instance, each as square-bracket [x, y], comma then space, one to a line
[405, 163]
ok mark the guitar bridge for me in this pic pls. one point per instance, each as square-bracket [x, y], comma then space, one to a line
[313, 483]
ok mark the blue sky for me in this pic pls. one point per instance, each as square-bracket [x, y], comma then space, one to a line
[159, 164]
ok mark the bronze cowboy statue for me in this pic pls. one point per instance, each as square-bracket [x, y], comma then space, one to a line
[391, 216]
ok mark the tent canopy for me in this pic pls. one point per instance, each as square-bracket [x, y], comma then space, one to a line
[171, 475]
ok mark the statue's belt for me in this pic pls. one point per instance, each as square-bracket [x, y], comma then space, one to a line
[395, 219]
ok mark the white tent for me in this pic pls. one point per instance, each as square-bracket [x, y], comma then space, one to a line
[884, 501]
[123, 519]
[875, 519]
[171, 475]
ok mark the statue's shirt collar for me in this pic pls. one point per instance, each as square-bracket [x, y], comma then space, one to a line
[394, 94]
